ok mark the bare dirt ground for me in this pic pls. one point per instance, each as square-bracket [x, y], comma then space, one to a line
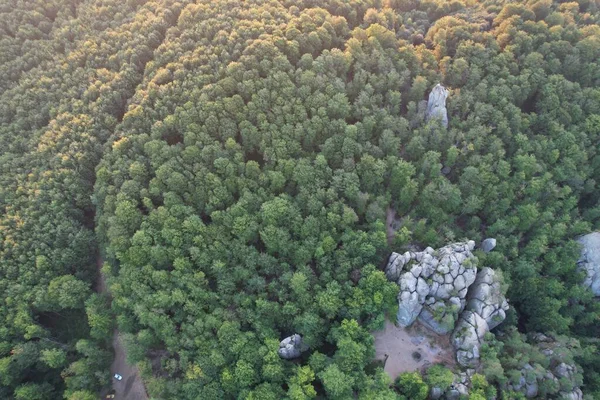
[390, 216]
[411, 349]
[132, 386]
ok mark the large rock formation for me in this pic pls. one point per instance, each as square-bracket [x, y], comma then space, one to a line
[433, 284]
[437, 286]
[486, 309]
[590, 261]
[291, 347]
[436, 105]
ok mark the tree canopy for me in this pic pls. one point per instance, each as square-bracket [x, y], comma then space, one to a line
[234, 163]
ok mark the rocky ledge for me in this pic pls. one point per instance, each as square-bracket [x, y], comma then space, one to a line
[444, 291]
[561, 374]
[589, 262]
[486, 309]
[436, 105]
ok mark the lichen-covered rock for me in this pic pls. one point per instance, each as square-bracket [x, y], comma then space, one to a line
[486, 308]
[576, 394]
[291, 347]
[486, 298]
[444, 291]
[436, 105]
[467, 338]
[564, 376]
[589, 262]
[433, 284]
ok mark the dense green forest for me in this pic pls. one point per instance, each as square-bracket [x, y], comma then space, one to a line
[232, 162]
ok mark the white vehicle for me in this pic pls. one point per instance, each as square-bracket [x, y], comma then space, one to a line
[118, 377]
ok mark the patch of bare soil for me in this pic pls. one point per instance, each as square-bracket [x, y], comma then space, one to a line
[411, 349]
[131, 387]
[390, 217]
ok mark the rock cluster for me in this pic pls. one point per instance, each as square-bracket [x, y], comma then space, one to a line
[436, 105]
[442, 287]
[433, 284]
[458, 389]
[291, 347]
[532, 378]
[590, 261]
[486, 308]
[527, 382]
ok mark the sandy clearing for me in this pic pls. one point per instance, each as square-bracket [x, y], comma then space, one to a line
[398, 345]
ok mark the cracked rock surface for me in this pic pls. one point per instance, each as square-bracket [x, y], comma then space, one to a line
[444, 291]
[436, 105]
[433, 284]
[561, 373]
[486, 308]
[590, 261]
[291, 347]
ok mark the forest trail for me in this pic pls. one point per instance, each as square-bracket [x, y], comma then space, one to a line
[132, 386]
[390, 217]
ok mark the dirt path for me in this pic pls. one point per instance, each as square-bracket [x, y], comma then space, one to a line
[411, 349]
[390, 217]
[132, 386]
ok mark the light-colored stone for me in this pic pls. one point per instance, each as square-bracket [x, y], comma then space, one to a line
[444, 291]
[422, 288]
[408, 282]
[589, 262]
[436, 105]
[409, 308]
[467, 337]
[291, 347]
[488, 245]
[531, 390]
[576, 394]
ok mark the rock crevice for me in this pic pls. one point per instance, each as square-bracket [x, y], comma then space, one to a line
[436, 105]
[443, 290]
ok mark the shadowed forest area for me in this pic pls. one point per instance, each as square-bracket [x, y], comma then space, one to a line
[233, 163]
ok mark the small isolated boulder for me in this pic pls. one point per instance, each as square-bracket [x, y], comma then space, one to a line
[291, 347]
[488, 245]
[589, 262]
[436, 105]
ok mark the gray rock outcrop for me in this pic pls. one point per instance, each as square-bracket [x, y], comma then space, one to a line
[436, 105]
[560, 374]
[291, 347]
[443, 290]
[527, 382]
[486, 308]
[459, 389]
[488, 245]
[589, 262]
[433, 284]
